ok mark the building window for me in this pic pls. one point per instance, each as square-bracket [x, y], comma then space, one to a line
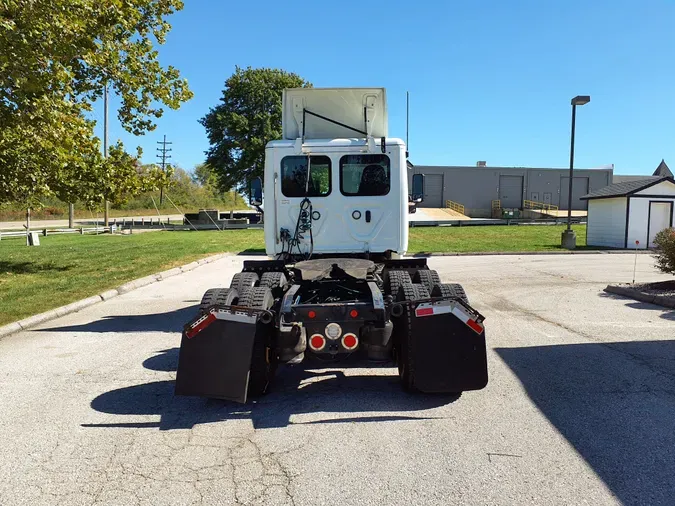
[364, 175]
[294, 176]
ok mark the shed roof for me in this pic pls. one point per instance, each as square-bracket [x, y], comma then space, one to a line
[626, 188]
[663, 170]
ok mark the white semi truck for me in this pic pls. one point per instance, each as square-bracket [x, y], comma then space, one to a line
[337, 282]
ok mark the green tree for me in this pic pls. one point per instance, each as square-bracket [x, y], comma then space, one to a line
[247, 117]
[205, 176]
[56, 57]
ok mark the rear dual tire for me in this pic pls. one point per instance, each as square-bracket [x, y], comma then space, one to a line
[222, 296]
[450, 290]
[243, 281]
[405, 353]
[263, 360]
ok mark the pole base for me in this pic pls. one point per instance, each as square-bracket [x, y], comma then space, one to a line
[568, 239]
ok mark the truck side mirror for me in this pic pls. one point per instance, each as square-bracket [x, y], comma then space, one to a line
[255, 195]
[417, 193]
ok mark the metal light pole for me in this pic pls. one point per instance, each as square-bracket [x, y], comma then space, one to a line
[106, 204]
[569, 237]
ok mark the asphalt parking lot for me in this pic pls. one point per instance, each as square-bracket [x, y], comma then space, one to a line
[580, 408]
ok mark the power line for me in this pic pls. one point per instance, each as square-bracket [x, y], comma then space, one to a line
[163, 156]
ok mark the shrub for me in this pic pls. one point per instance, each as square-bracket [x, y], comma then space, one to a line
[665, 252]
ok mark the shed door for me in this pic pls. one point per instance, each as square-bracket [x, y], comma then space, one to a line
[433, 190]
[660, 214]
[511, 192]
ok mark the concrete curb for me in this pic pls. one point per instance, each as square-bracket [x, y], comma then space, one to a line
[632, 293]
[73, 307]
[501, 253]
[521, 253]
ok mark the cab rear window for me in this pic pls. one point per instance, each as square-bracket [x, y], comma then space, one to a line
[294, 176]
[364, 175]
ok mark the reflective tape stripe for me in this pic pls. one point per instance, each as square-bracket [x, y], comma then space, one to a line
[460, 313]
[235, 317]
[219, 314]
[200, 325]
[445, 307]
[427, 309]
[424, 311]
[475, 326]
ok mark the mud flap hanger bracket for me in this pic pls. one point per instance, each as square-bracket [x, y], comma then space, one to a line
[442, 305]
[228, 313]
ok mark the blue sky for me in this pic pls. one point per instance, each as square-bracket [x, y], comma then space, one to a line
[489, 80]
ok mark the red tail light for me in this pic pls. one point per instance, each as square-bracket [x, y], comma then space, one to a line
[353, 313]
[317, 342]
[349, 341]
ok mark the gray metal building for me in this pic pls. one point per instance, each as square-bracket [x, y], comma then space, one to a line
[476, 187]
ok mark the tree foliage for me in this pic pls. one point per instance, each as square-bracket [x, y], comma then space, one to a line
[247, 117]
[188, 193]
[665, 252]
[204, 175]
[56, 57]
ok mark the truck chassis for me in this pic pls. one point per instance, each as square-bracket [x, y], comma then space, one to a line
[280, 311]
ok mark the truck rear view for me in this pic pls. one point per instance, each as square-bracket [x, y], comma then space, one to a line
[336, 231]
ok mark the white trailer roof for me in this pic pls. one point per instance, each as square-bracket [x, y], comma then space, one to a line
[363, 109]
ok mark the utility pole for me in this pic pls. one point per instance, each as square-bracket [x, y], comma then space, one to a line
[163, 156]
[105, 149]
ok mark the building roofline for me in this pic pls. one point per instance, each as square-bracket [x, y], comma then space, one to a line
[495, 167]
[648, 183]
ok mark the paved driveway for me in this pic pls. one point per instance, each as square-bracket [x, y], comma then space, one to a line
[580, 408]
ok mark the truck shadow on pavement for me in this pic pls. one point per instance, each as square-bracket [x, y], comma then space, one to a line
[297, 390]
[172, 321]
[615, 403]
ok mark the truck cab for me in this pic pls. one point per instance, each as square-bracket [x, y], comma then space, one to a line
[358, 196]
[335, 183]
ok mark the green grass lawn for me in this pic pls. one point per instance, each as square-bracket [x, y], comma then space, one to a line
[66, 268]
[491, 238]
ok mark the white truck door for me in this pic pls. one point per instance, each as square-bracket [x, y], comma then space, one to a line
[369, 192]
[290, 193]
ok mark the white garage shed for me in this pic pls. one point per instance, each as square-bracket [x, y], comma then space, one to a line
[623, 213]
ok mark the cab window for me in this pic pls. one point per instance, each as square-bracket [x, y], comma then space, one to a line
[364, 175]
[294, 176]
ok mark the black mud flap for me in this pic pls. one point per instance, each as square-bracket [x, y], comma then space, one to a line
[448, 344]
[215, 355]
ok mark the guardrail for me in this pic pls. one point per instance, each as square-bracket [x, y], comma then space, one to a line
[51, 231]
[129, 227]
[455, 206]
[538, 206]
[503, 221]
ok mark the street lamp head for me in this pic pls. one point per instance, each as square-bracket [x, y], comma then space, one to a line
[581, 100]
